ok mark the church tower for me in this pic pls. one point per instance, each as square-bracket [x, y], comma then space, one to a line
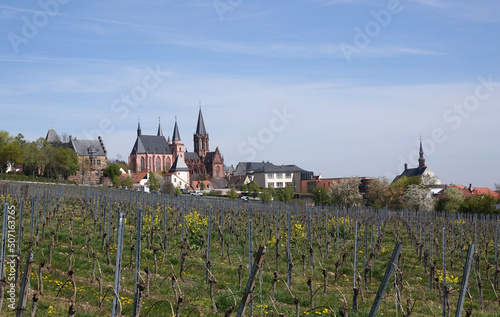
[176, 145]
[200, 138]
[160, 132]
[421, 159]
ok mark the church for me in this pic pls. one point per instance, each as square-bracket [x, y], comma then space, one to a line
[154, 153]
[423, 171]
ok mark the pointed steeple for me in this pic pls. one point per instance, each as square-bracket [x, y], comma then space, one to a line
[179, 165]
[160, 132]
[200, 126]
[421, 159]
[138, 127]
[176, 136]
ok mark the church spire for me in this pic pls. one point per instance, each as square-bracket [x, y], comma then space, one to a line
[200, 126]
[138, 127]
[176, 136]
[421, 160]
[160, 132]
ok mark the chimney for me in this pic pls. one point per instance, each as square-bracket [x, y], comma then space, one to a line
[406, 166]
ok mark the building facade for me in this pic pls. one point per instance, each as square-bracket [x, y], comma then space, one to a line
[154, 153]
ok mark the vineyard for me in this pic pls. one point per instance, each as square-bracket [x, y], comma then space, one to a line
[81, 251]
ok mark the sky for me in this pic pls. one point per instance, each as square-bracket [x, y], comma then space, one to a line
[338, 87]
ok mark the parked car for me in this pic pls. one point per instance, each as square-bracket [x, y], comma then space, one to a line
[196, 193]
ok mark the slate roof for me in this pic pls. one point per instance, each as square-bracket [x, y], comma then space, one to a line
[219, 183]
[52, 137]
[81, 147]
[150, 144]
[251, 166]
[209, 157]
[410, 172]
[179, 165]
[191, 156]
[200, 127]
[279, 169]
[176, 136]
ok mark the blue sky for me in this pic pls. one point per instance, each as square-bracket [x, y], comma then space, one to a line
[339, 87]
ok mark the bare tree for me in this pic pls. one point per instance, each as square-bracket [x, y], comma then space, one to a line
[64, 137]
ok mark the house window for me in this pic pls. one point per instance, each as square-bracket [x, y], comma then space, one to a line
[270, 184]
[279, 184]
[279, 175]
[142, 164]
[98, 162]
[270, 175]
[288, 175]
[288, 184]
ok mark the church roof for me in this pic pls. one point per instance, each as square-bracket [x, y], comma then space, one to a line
[179, 165]
[209, 157]
[81, 147]
[151, 144]
[200, 126]
[410, 172]
[191, 156]
[52, 137]
[176, 136]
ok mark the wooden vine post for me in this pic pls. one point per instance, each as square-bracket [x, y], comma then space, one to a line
[259, 258]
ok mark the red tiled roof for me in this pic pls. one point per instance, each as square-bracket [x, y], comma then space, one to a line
[137, 177]
[475, 191]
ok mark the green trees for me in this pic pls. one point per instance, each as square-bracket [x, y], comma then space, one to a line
[153, 183]
[10, 150]
[113, 172]
[452, 200]
[244, 188]
[202, 185]
[128, 182]
[253, 189]
[232, 192]
[38, 158]
[320, 196]
[479, 204]
[266, 194]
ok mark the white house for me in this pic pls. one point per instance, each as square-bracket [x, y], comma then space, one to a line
[178, 174]
[269, 175]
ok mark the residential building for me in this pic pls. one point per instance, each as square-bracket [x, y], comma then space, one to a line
[178, 175]
[269, 175]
